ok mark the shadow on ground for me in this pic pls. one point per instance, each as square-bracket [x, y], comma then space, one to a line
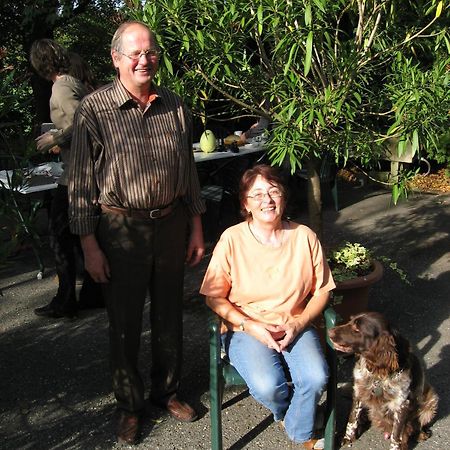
[55, 391]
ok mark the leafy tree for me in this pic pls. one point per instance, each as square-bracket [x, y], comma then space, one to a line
[24, 22]
[17, 224]
[90, 33]
[340, 76]
[84, 26]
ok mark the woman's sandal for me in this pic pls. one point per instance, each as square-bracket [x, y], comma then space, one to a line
[312, 444]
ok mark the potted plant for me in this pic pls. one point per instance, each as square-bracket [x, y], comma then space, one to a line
[355, 269]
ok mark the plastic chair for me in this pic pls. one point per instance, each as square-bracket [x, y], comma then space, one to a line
[223, 374]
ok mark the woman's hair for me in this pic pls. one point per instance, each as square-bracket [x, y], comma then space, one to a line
[80, 70]
[49, 58]
[269, 173]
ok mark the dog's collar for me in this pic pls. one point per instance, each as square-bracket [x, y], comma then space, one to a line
[377, 387]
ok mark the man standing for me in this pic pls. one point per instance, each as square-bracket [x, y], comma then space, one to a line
[135, 202]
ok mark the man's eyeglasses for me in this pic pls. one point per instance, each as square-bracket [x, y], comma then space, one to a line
[272, 193]
[136, 56]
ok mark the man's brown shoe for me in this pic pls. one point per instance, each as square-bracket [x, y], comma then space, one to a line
[179, 410]
[128, 427]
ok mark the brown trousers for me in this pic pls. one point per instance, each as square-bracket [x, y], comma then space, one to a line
[144, 256]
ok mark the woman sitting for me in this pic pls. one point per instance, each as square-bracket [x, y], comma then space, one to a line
[269, 280]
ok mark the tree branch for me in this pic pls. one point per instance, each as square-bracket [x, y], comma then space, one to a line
[360, 27]
[260, 112]
[417, 35]
[263, 56]
[372, 34]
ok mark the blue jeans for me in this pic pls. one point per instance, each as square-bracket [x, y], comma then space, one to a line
[267, 373]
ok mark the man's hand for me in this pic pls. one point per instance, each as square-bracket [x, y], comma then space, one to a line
[45, 141]
[95, 261]
[196, 245]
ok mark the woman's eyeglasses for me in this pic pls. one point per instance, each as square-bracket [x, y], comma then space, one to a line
[272, 193]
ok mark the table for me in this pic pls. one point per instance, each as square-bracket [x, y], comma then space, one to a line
[36, 179]
[244, 150]
[44, 176]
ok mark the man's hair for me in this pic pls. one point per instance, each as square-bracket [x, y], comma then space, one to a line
[116, 42]
[49, 58]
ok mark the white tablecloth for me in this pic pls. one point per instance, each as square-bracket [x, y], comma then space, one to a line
[40, 178]
[246, 149]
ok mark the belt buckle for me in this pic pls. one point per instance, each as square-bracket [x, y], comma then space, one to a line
[155, 214]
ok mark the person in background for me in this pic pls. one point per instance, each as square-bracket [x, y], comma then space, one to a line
[268, 279]
[255, 131]
[258, 129]
[52, 62]
[81, 71]
[135, 202]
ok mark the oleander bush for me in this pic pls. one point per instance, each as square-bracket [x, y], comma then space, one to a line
[334, 77]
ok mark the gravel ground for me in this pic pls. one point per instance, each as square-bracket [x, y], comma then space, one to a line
[55, 390]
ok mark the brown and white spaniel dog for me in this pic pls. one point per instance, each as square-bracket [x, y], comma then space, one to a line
[389, 381]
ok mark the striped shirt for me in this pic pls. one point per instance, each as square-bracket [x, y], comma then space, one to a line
[127, 157]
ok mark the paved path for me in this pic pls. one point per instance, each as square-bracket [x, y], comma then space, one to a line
[55, 389]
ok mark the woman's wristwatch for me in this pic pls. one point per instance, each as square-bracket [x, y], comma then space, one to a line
[242, 324]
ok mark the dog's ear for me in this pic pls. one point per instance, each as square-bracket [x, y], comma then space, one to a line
[382, 357]
[403, 347]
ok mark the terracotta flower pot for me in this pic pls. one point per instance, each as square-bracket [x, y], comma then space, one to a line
[351, 297]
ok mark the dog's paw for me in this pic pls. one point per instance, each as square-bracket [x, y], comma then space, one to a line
[424, 434]
[347, 442]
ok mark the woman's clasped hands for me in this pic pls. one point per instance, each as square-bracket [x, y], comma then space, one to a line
[277, 337]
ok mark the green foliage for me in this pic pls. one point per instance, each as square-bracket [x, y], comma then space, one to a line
[421, 102]
[354, 260]
[17, 223]
[350, 261]
[442, 153]
[330, 70]
[15, 96]
[84, 26]
[394, 266]
[89, 34]
[18, 214]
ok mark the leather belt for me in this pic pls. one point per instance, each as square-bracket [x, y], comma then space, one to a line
[156, 213]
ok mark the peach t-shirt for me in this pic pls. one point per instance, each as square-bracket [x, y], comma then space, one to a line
[268, 284]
